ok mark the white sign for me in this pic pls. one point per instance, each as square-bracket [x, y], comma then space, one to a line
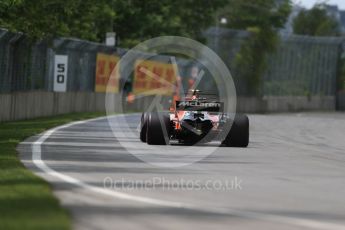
[60, 73]
[110, 39]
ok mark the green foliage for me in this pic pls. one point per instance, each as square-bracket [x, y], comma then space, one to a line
[139, 20]
[50, 18]
[316, 22]
[261, 18]
[133, 20]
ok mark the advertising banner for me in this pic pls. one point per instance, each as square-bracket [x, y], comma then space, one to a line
[154, 78]
[106, 73]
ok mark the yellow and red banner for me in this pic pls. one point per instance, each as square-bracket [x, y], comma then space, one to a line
[107, 73]
[154, 78]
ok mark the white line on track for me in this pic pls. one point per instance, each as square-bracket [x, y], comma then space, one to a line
[37, 160]
[77, 144]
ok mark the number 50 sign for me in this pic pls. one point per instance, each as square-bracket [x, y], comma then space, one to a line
[60, 73]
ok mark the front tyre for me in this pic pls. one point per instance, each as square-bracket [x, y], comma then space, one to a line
[239, 133]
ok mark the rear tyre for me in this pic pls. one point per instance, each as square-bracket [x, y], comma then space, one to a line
[239, 133]
[143, 127]
[158, 128]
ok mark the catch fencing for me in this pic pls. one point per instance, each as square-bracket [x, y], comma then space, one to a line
[81, 62]
[22, 63]
[301, 65]
[308, 68]
[29, 66]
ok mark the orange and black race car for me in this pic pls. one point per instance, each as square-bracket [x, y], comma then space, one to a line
[195, 120]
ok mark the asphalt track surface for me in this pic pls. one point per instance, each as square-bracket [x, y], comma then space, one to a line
[292, 176]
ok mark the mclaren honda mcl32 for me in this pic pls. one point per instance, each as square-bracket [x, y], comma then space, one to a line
[195, 120]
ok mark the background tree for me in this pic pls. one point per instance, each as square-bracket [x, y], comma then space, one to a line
[316, 22]
[132, 20]
[50, 18]
[262, 18]
[138, 20]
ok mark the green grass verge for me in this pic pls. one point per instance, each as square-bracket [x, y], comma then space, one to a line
[26, 201]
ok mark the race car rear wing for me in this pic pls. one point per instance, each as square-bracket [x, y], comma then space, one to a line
[204, 106]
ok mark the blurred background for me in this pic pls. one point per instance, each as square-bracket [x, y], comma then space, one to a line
[57, 56]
